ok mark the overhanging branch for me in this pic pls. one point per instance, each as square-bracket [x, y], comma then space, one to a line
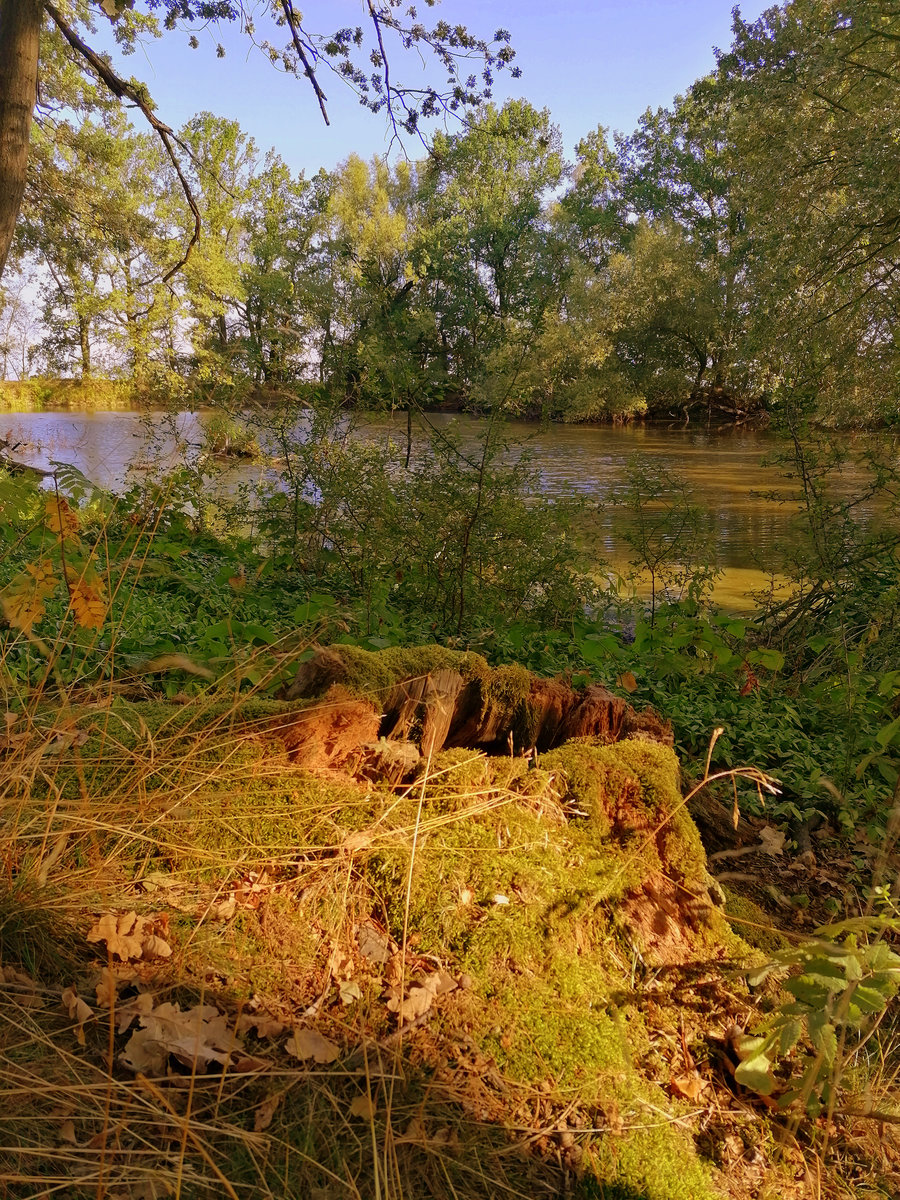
[123, 89]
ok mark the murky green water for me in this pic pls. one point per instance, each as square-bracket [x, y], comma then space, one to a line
[747, 505]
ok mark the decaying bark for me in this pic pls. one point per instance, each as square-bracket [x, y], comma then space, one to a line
[441, 710]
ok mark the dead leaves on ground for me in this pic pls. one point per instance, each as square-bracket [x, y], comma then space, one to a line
[420, 997]
[130, 937]
[196, 1038]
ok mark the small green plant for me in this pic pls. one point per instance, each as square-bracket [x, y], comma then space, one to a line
[841, 983]
[669, 535]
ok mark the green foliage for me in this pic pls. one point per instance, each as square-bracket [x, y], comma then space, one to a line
[841, 984]
[668, 533]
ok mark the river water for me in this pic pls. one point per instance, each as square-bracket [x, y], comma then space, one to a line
[748, 505]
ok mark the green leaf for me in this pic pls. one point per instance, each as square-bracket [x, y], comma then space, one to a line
[772, 660]
[822, 1035]
[756, 1074]
[789, 1035]
[889, 684]
[813, 994]
[759, 974]
[885, 736]
[871, 999]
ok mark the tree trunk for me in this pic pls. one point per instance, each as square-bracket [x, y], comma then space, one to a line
[20, 36]
[84, 341]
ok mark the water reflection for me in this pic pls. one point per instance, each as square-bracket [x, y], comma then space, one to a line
[748, 503]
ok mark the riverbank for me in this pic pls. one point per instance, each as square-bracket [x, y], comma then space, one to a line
[71, 395]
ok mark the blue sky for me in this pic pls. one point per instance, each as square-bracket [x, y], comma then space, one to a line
[589, 61]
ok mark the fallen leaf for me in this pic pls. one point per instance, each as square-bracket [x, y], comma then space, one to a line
[309, 1043]
[421, 996]
[266, 1112]
[414, 1132]
[155, 947]
[225, 910]
[690, 1086]
[362, 1106]
[78, 1010]
[197, 1037]
[350, 991]
[265, 1025]
[340, 964]
[130, 937]
[771, 840]
[139, 1006]
[243, 1064]
[374, 944]
[145, 1054]
[107, 986]
[114, 931]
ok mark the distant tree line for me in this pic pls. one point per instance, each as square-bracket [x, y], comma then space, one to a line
[738, 253]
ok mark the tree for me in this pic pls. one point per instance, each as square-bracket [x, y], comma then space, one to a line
[389, 344]
[684, 223]
[361, 56]
[815, 94]
[280, 277]
[493, 257]
[223, 161]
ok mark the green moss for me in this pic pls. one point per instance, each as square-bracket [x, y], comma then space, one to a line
[655, 1162]
[373, 673]
[632, 788]
[752, 923]
[509, 886]
[369, 673]
[507, 687]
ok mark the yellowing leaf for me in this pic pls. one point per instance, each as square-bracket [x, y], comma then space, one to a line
[60, 516]
[42, 573]
[23, 597]
[88, 604]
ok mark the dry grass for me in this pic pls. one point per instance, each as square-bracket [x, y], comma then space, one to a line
[176, 811]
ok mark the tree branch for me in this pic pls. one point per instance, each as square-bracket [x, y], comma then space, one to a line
[123, 89]
[290, 16]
